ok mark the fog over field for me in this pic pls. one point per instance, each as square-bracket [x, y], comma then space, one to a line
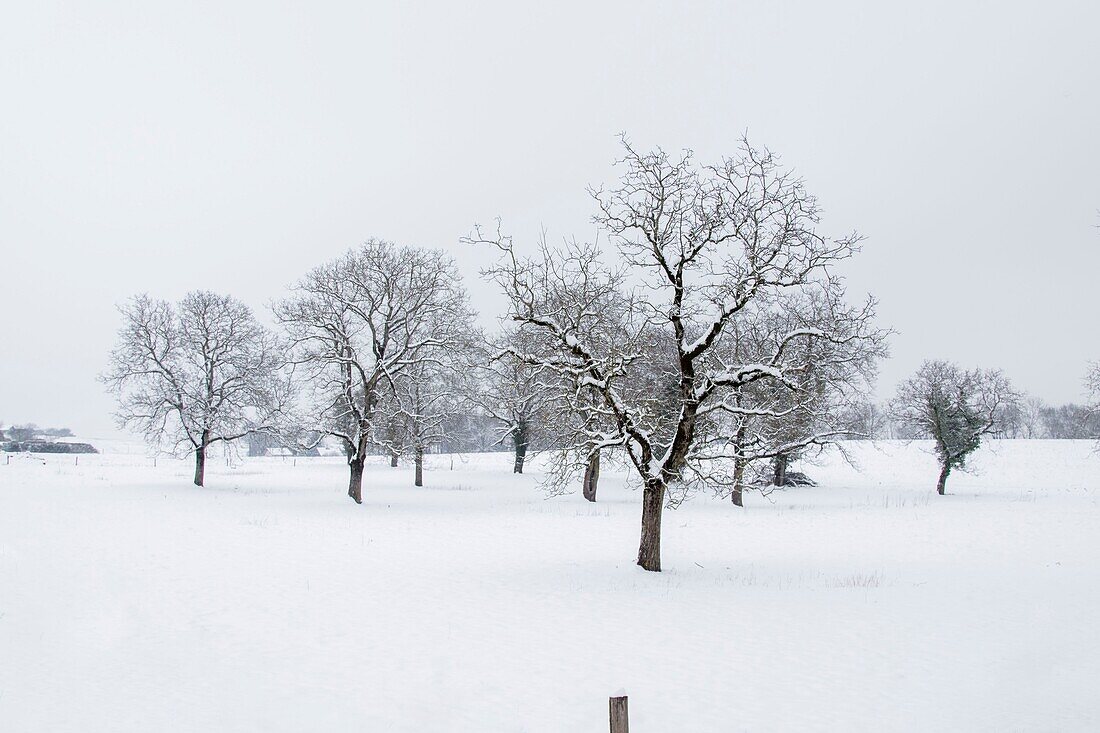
[233, 147]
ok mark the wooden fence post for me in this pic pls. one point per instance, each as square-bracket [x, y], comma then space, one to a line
[618, 713]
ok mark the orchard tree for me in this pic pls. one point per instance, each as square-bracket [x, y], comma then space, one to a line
[196, 373]
[394, 434]
[868, 419]
[704, 243]
[776, 421]
[518, 397]
[574, 422]
[357, 325]
[956, 408]
[430, 394]
[390, 432]
[428, 400]
[1025, 418]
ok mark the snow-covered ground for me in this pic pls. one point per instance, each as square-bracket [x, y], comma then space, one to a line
[133, 601]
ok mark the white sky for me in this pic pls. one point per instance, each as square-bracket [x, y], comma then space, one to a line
[232, 146]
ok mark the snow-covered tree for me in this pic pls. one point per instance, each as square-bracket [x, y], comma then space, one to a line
[956, 408]
[776, 421]
[868, 419]
[1071, 422]
[516, 396]
[1024, 419]
[196, 373]
[704, 244]
[357, 325]
[431, 393]
[589, 296]
[395, 434]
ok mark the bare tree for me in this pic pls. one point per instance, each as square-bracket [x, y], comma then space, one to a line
[778, 420]
[706, 243]
[394, 436]
[1024, 419]
[432, 391]
[427, 401]
[358, 324]
[953, 407]
[196, 373]
[868, 420]
[1031, 417]
[589, 296]
[391, 431]
[1071, 422]
[517, 396]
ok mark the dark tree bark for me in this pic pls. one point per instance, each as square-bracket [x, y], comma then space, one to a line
[781, 461]
[393, 459]
[355, 485]
[357, 459]
[419, 481]
[592, 477]
[941, 484]
[519, 438]
[653, 503]
[200, 465]
[739, 463]
[653, 496]
[200, 458]
[738, 482]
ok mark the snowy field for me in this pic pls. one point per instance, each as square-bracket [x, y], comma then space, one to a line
[267, 601]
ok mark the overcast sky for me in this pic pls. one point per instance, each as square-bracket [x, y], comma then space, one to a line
[231, 146]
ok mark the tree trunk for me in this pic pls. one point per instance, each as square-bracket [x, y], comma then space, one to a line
[200, 465]
[393, 459]
[653, 503]
[738, 482]
[780, 478]
[520, 440]
[355, 485]
[941, 485]
[592, 476]
[419, 481]
[200, 458]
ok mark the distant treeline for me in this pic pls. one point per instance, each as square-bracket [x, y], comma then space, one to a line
[45, 446]
[30, 438]
[1030, 417]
